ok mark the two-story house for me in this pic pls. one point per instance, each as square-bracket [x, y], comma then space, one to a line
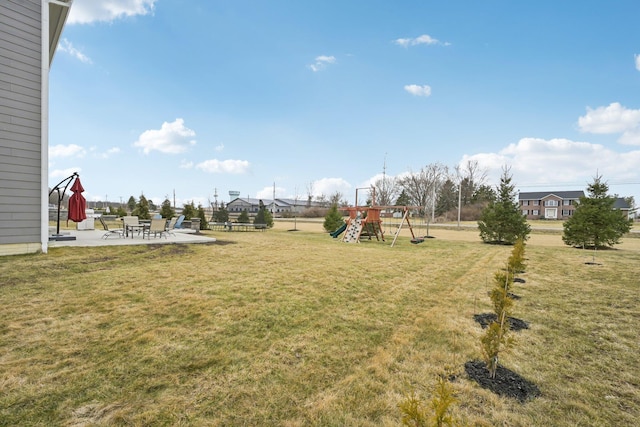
[549, 205]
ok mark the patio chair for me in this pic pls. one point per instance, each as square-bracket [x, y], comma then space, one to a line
[157, 227]
[129, 220]
[110, 231]
[171, 225]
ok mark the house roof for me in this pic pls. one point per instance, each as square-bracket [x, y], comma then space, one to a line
[538, 195]
[621, 203]
[58, 12]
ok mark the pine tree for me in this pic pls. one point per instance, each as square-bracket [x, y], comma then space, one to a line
[333, 219]
[141, 209]
[131, 203]
[243, 218]
[447, 198]
[263, 217]
[189, 210]
[501, 221]
[222, 214]
[203, 218]
[595, 223]
[167, 210]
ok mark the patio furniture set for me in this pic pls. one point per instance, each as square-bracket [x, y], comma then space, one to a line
[133, 226]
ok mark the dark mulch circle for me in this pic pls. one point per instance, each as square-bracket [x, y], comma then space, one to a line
[506, 383]
[485, 319]
[519, 280]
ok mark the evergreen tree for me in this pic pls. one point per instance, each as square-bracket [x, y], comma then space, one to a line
[263, 216]
[447, 198]
[141, 209]
[501, 221]
[403, 199]
[189, 210]
[131, 203]
[595, 223]
[167, 210]
[203, 218]
[243, 218]
[333, 219]
[222, 214]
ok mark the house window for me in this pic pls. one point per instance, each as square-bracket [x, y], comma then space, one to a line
[566, 212]
[525, 203]
[536, 202]
[535, 212]
[551, 203]
[566, 202]
[525, 212]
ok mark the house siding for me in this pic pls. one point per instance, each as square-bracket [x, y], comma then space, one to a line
[20, 124]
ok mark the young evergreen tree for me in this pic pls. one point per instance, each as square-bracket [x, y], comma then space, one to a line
[264, 217]
[166, 210]
[203, 218]
[333, 219]
[243, 218]
[131, 203]
[595, 223]
[222, 214]
[141, 209]
[189, 210]
[501, 221]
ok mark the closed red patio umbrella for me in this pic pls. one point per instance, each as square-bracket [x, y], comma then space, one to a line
[77, 203]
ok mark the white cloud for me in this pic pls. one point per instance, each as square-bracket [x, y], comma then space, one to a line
[417, 90]
[63, 173]
[224, 166]
[186, 164]
[267, 193]
[66, 46]
[171, 138]
[321, 62]
[559, 162]
[637, 62]
[423, 39]
[87, 11]
[71, 150]
[613, 119]
[328, 186]
[219, 147]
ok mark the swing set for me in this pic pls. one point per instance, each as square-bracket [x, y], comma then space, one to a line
[367, 221]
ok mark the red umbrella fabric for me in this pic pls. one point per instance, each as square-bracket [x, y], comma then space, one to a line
[77, 203]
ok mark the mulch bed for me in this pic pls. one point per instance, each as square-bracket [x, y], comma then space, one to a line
[506, 383]
[485, 319]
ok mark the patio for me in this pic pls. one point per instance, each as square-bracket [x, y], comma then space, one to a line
[85, 238]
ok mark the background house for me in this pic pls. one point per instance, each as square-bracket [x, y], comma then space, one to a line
[549, 205]
[29, 34]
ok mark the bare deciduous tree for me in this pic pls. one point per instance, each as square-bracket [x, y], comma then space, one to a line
[386, 190]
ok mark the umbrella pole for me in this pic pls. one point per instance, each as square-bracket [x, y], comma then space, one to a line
[58, 188]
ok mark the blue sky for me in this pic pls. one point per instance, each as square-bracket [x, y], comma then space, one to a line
[160, 96]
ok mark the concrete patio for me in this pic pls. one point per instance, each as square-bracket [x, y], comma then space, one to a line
[86, 238]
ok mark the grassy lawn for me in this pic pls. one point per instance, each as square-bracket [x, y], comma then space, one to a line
[296, 329]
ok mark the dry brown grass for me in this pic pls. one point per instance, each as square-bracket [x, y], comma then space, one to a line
[295, 329]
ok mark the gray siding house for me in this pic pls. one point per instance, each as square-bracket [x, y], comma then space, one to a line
[29, 34]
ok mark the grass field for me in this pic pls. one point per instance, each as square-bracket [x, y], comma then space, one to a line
[295, 329]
